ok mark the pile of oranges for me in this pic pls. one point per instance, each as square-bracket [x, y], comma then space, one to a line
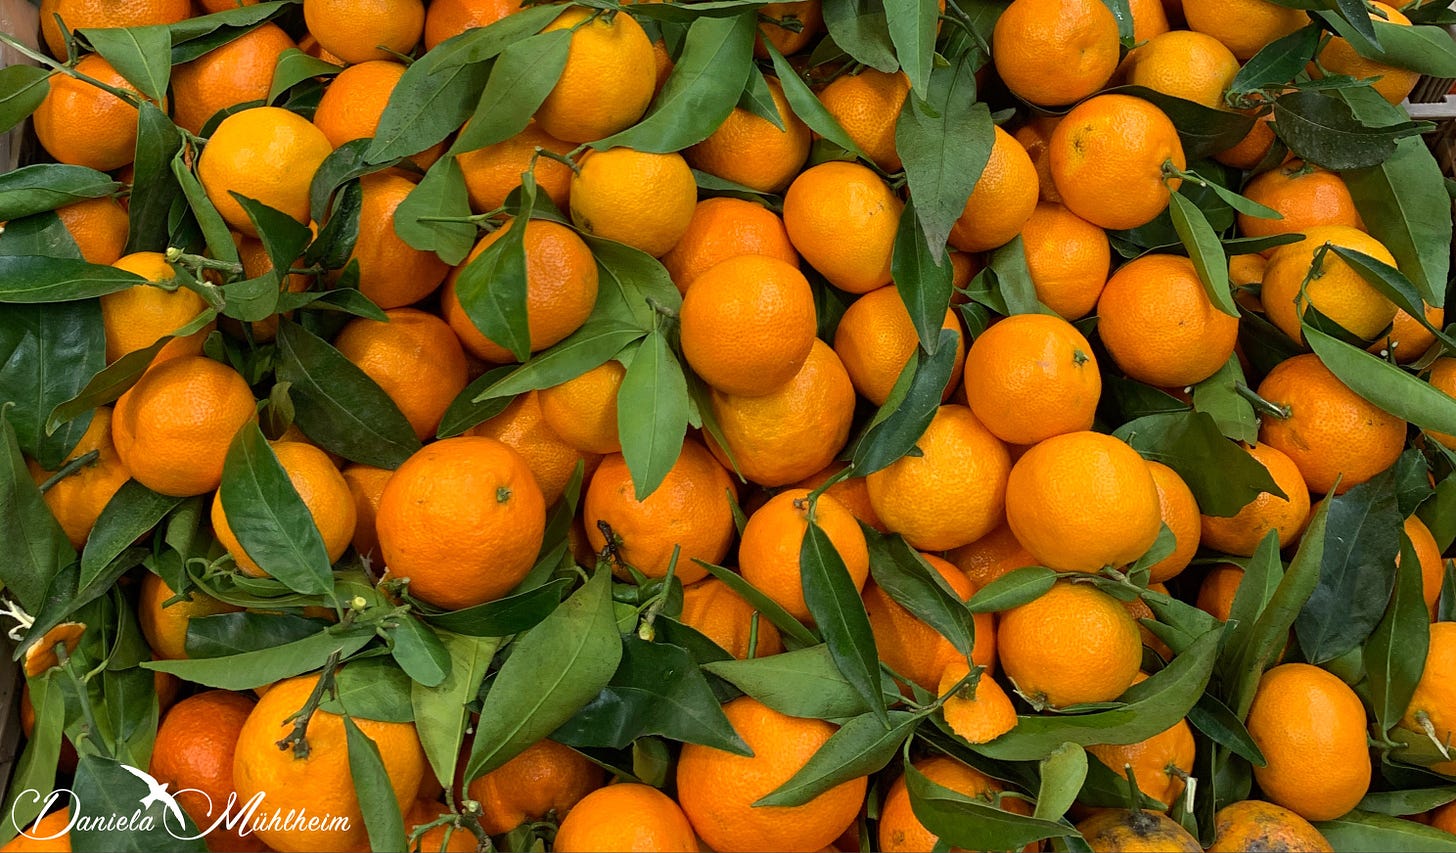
[675, 426]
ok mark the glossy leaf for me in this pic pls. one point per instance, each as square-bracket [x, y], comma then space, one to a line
[1013, 589]
[1221, 475]
[861, 746]
[143, 55]
[373, 788]
[46, 353]
[505, 616]
[806, 105]
[22, 88]
[154, 189]
[521, 78]
[253, 669]
[440, 194]
[945, 141]
[861, 29]
[1395, 654]
[419, 652]
[31, 279]
[1321, 129]
[792, 628]
[482, 43]
[652, 413]
[1382, 383]
[36, 766]
[906, 414]
[492, 290]
[47, 186]
[1218, 721]
[440, 712]
[429, 102]
[592, 345]
[214, 229]
[1205, 251]
[910, 581]
[1218, 398]
[293, 67]
[802, 683]
[924, 286]
[108, 788]
[223, 634]
[835, 604]
[129, 515]
[35, 548]
[974, 824]
[1366, 832]
[109, 383]
[1278, 62]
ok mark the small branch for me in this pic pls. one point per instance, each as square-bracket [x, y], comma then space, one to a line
[296, 738]
[1260, 404]
[70, 468]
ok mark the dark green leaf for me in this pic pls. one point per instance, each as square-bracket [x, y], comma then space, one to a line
[630, 280]
[861, 746]
[372, 786]
[1013, 589]
[34, 548]
[429, 102]
[128, 516]
[860, 27]
[1222, 476]
[480, 44]
[974, 824]
[924, 286]
[1365, 832]
[46, 353]
[1384, 384]
[345, 164]
[757, 98]
[38, 234]
[30, 279]
[520, 79]
[1321, 129]
[372, 689]
[792, 628]
[35, 771]
[505, 616]
[154, 188]
[1393, 284]
[907, 413]
[492, 290]
[593, 345]
[1278, 62]
[806, 105]
[441, 194]
[47, 186]
[1203, 130]
[1427, 50]
[107, 787]
[1407, 802]
[905, 576]
[109, 383]
[1205, 251]
[1218, 398]
[1013, 278]
[652, 413]
[265, 666]
[835, 604]
[1395, 654]
[293, 67]
[214, 229]
[419, 652]
[22, 88]
[1216, 720]
[802, 683]
[223, 634]
[143, 55]
[944, 139]
[464, 412]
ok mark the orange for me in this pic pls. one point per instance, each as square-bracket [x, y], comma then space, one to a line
[1242, 825]
[748, 324]
[1185, 64]
[1250, 151]
[1331, 431]
[1428, 554]
[462, 519]
[319, 783]
[1003, 199]
[1055, 52]
[1431, 703]
[1139, 610]
[91, 14]
[49, 834]
[791, 432]
[366, 484]
[1305, 195]
[173, 428]
[1068, 258]
[321, 488]
[1107, 159]
[77, 499]
[1035, 136]
[137, 316]
[1336, 289]
[867, 106]
[1338, 57]
[234, 73]
[749, 149]
[1443, 818]
[717, 789]
[809, 14]
[1216, 593]
[1074, 644]
[723, 228]
[911, 647]
[267, 154]
[842, 218]
[425, 811]
[1179, 512]
[691, 508]
[1030, 377]
[1124, 831]
[950, 495]
[1149, 19]
[523, 428]
[44, 653]
[80, 124]
[983, 715]
[493, 171]
[1443, 378]
[355, 99]
[1302, 717]
[1244, 26]
[165, 625]
[583, 411]
[1240, 534]
[543, 779]
[644, 200]
[768, 556]
[1156, 761]
[445, 19]
[900, 831]
[391, 273]
[1158, 324]
[627, 816]
[875, 339]
[360, 30]
[1407, 339]
[852, 492]
[991, 556]
[723, 616]
[99, 227]
[414, 357]
[561, 289]
[194, 754]
[1246, 277]
[608, 80]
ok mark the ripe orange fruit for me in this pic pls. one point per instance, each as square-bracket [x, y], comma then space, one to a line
[366, 484]
[267, 154]
[1035, 136]
[543, 779]
[641, 199]
[1303, 716]
[1443, 818]
[1428, 554]
[1244, 26]
[1216, 592]
[852, 492]
[867, 105]
[1306, 195]
[360, 30]
[1250, 151]
[462, 519]
[173, 428]
[1338, 57]
[48, 834]
[1158, 324]
[1241, 825]
[321, 488]
[1074, 644]
[1240, 534]
[445, 19]
[355, 99]
[809, 14]
[99, 227]
[1179, 512]
[723, 616]
[1139, 610]
[231, 74]
[522, 427]
[137, 316]
[627, 816]
[982, 716]
[842, 218]
[1335, 289]
[1431, 702]
[748, 324]
[1124, 831]
[78, 498]
[1189, 65]
[750, 150]
[1155, 760]
[953, 493]
[88, 14]
[1055, 52]
[391, 273]
[768, 556]
[425, 811]
[1107, 159]
[1003, 199]
[917, 651]
[319, 783]
[791, 432]
[875, 339]
[1443, 378]
[691, 508]
[583, 411]
[165, 625]
[608, 80]
[900, 831]
[493, 171]
[1149, 19]
[1030, 377]
[723, 228]
[991, 556]
[561, 289]
[1068, 258]
[414, 357]
[717, 789]
[1331, 430]
[193, 754]
[1408, 340]
[80, 124]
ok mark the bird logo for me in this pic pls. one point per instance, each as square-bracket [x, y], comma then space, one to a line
[156, 793]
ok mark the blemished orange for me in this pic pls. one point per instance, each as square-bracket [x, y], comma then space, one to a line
[1304, 195]
[137, 316]
[809, 14]
[749, 149]
[194, 753]
[723, 616]
[626, 816]
[1156, 761]
[82, 125]
[867, 106]
[360, 30]
[463, 520]
[1036, 136]
[1184, 64]
[1055, 52]
[1068, 258]
[1303, 716]
[608, 80]
[723, 228]
[1160, 327]
[1240, 534]
[991, 556]
[173, 428]
[900, 831]
[321, 488]
[644, 200]
[1074, 644]
[95, 14]
[1244, 26]
[392, 273]
[1107, 158]
[583, 411]
[852, 492]
[1081, 501]
[1240, 826]
[366, 484]
[1336, 289]
[1002, 201]
[1030, 377]
[561, 289]
[99, 226]
[165, 625]
[1125, 831]
[1339, 57]
[1443, 378]
[842, 218]
[234, 73]
[493, 171]
[523, 428]
[77, 499]
[791, 432]
[1331, 431]
[875, 339]
[544, 778]
[267, 154]
[1217, 590]
[1431, 702]
[1179, 511]
[320, 782]
[913, 648]
[445, 19]
[768, 555]
[691, 507]
[48, 834]
[1407, 339]
[1428, 554]
[980, 714]
[748, 324]
[953, 493]
[414, 357]
[717, 789]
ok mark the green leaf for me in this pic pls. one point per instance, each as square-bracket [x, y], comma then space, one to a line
[464, 412]
[806, 105]
[861, 29]
[430, 101]
[30, 279]
[224, 634]
[36, 548]
[419, 652]
[970, 824]
[835, 604]
[791, 628]
[47, 351]
[372, 689]
[492, 289]
[1205, 251]
[1407, 802]
[38, 234]
[154, 189]
[906, 414]
[1222, 476]
[1365, 832]
[143, 55]
[35, 771]
[1217, 397]
[1427, 50]
[862, 746]
[1384, 384]
[440, 712]
[372, 786]
[1013, 278]
[757, 98]
[1277, 62]
[440, 194]
[265, 666]
[905, 576]
[520, 80]
[1395, 654]
[504, 616]
[944, 138]
[652, 413]
[22, 88]
[1062, 775]
[214, 229]
[193, 29]
[47, 186]
[128, 516]
[1218, 721]
[479, 44]
[293, 67]
[630, 280]
[803, 683]
[334, 245]
[924, 286]
[913, 25]
[108, 788]
[1202, 130]
[593, 345]
[1013, 589]
[1321, 129]
[284, 238]
[109, 383]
